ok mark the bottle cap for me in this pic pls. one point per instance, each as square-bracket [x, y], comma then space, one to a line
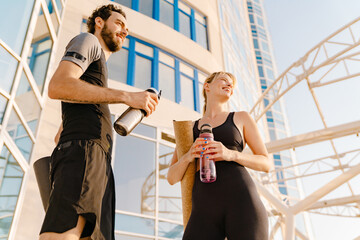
[205, 128]
[153, 90]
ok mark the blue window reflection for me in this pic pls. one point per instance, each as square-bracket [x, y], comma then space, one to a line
[167, 81]
[201, 37]
[184, 24]
[8, 66]
[28, 103]
[59, 6]
[3, 103]
[143, 65]
[174, 13]
[15, 24]
[167, 13]
[126, 3]
[169, 196]
[145, 130]
[50, 6]
[187, 91]
[146, 7]
[38, 59]
[134, 171]
[143, 72]
[20, 136]
[11, 180]
[117, 65]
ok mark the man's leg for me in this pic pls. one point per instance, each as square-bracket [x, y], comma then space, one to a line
[72, 234]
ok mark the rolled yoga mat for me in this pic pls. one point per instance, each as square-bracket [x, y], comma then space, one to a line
[184, 140]
[42, 173]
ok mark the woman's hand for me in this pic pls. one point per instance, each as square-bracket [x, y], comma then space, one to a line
[195, 151]
[217, 151]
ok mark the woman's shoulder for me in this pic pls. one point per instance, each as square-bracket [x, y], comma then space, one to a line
[242, 114]
[243, 118]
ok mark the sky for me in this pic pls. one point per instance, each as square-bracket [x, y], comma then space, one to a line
[295, 27]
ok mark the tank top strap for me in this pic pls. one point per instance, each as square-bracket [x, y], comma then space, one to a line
[230, 118]
[196, 124]
[195, 129]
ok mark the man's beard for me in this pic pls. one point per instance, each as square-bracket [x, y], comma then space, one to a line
[109, 39]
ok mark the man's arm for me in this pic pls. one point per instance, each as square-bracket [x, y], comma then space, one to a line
[67, 86]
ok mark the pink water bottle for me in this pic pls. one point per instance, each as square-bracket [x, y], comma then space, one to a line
[207, 167]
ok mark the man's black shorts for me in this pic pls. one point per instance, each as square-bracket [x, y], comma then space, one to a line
[82, 184]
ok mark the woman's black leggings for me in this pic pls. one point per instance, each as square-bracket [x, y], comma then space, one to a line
[229, 207]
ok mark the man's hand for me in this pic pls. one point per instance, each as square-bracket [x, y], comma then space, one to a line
[143, 100]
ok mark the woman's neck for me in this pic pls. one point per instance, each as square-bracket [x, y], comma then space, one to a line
[215, 108]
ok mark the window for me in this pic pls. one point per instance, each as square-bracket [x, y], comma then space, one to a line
[146, 7]
[270, 74]
[7, 68]
[201, 78]
[260, 21]
[126, 3]
[19, 134]
[133, 170]
[15, 24]
[184, 19]
[167, 76]
[175, 14]
[187, 92]
[27, 102]
[200, 26]
[3, 103]
[10, 185]
[167, 12]
[265, 46]
[141, 177]
[251, 18]
[261, 71]
[143, 65]
[39, 53]
[256, 44]
[118, 62]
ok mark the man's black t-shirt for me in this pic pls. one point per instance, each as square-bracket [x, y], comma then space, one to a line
[87, 121]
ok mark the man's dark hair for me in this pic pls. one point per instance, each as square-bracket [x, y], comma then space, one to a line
[104, 12]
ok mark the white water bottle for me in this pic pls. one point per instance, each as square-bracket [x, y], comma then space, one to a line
[131, 117]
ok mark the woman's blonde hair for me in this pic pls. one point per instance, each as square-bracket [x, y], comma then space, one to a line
[210, 78]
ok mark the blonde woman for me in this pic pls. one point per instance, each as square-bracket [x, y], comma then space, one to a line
[229, 207]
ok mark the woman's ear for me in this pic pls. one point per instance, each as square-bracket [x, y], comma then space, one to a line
[206, 86]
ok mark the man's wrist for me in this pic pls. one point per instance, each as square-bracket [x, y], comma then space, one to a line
[125, 97]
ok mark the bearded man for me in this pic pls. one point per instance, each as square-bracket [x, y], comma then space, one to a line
[82, 199]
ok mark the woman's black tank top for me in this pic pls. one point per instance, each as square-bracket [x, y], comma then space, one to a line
[227, 133]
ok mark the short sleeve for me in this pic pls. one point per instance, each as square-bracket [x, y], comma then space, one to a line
[83, 50]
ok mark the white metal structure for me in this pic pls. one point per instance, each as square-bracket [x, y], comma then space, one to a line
[335, 59]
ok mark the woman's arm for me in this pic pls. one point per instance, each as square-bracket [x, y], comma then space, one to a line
[57, 136]
[259, 161]
[178, 166]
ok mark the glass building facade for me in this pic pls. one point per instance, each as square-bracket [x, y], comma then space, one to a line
[187, 41]
[275, 116]
[25, 50]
